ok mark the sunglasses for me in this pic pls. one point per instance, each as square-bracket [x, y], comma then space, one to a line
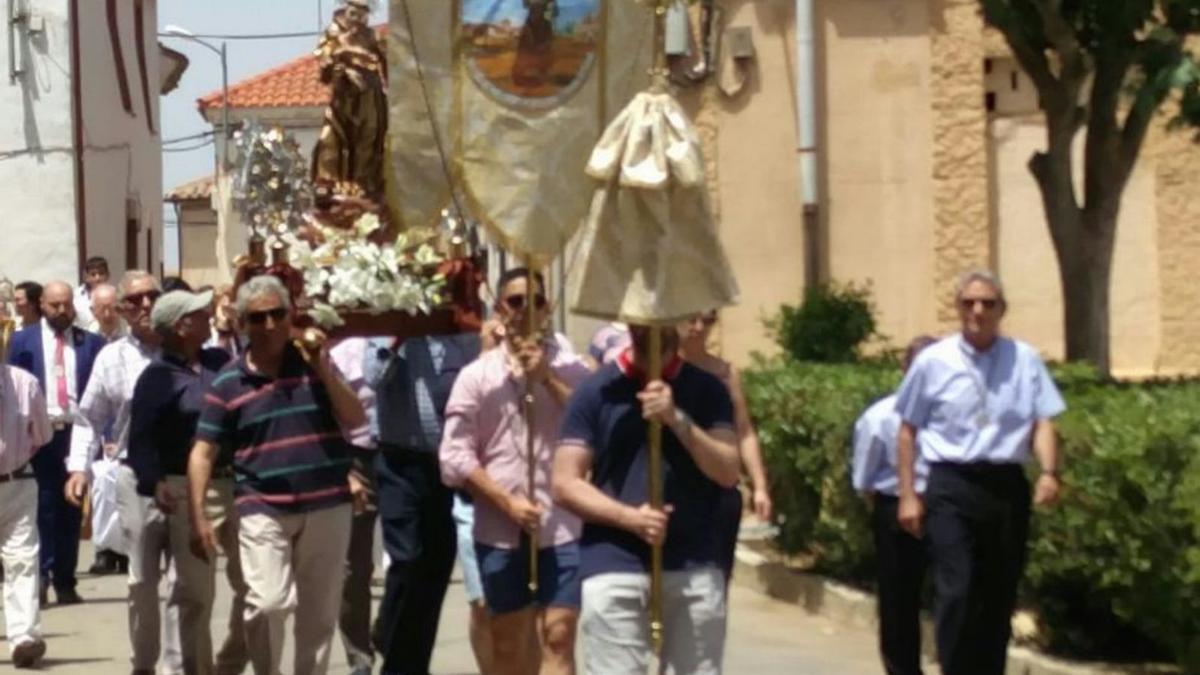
[259, 318]
[988, 303]
[139, 299]
[516, 302]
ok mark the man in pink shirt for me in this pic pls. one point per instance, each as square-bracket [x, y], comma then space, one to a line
[484, 451]
[24, 427]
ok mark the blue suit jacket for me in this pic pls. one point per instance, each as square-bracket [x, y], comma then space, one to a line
[27, 354]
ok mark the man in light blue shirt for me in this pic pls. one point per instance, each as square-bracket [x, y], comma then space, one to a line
[982, 404]
[899, 556]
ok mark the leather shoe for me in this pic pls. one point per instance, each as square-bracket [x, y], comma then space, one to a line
[67, 597]
[27, 654]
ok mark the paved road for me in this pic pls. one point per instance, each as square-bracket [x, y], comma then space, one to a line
[766, 637]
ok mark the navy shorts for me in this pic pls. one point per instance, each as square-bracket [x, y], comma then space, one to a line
[505, 574]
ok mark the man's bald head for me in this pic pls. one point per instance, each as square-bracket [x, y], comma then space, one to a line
[104, 293]
[104, 308]
[58, 305]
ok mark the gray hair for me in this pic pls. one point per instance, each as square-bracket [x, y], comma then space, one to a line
[259, 286]
[128, 280]
[984, 275]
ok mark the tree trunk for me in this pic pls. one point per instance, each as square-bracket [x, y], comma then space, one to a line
[1086, 274]
[1083, 243]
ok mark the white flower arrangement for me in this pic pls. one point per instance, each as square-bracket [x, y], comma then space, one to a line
[349, 272]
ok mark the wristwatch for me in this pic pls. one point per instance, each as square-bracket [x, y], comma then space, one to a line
[683, 424]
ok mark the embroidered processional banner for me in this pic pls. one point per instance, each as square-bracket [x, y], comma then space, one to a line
[503, 100]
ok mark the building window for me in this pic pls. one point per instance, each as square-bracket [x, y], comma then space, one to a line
[133, 225]
[1009, 91]
[139, 24]
[114, 36]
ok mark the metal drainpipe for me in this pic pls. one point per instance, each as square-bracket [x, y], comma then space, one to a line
[806, 106]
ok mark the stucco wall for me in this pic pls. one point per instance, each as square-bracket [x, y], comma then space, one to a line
[37, 165]
[879, 131]
[1177, 173]
[1027, 263]
[123, 158]
[758, 177]
[962, 236]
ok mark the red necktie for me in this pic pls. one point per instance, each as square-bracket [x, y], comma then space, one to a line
[60, 371]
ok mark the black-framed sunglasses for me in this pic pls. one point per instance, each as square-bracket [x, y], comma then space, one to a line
[516, 301]
[988, 303]
[139, 299]
[259, 318]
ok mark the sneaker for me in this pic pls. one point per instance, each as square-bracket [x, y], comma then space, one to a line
[27, 654]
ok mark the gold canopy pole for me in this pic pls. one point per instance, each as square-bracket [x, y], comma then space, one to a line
[658, 78]
[656, 498]
[531, 331]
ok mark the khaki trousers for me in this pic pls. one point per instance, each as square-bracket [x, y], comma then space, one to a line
[293, 564]
[151, 624]
[195, 582]
[614, 626]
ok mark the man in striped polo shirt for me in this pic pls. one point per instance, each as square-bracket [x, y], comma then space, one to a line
[281, 412]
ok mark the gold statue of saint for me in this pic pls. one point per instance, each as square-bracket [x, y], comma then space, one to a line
[351, 149]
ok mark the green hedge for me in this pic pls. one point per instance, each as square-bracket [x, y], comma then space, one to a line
[1114, 570]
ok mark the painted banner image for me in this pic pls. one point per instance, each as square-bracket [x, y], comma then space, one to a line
[531, 53]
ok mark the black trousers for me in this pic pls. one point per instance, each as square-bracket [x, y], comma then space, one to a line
[59, 522]
[419, 537]
[355, 620]
[977, 525]
[901, 561]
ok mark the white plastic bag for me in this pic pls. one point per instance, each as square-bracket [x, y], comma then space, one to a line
[106, 526]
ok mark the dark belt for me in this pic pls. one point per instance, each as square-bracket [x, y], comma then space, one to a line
[19, 474]
[987, 474]
[60, 426]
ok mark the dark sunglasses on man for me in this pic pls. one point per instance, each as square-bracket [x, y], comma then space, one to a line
[988, 303]
[516, 301]
[139, 299]
[259, 318]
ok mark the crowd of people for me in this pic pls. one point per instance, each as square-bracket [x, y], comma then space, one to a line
[200, 424]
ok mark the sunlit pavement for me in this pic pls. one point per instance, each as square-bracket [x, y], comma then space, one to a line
[766, 637]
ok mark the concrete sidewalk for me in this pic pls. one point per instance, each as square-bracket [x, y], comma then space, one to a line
[766, 637]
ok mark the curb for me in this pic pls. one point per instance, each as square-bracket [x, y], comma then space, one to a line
[852, 607]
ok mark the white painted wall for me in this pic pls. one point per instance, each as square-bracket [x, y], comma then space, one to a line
[37, 165]
[122, 158]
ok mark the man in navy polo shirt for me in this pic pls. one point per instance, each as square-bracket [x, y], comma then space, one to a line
[282, 412]
[601, 473]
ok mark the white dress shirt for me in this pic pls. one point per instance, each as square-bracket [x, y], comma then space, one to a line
[108, 400]
[873, 466]
[49, 348]
[973, 406]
